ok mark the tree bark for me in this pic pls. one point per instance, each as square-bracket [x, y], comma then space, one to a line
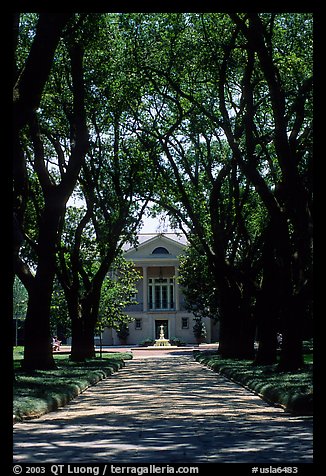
[83, 330]
[29, 86]
[55, 199]
[27, 92]
[267, 309]
[292, 307]
[266, 330]
[296, 258]
[291, 357]
[236, 324]
[37, 339]
[77, 343]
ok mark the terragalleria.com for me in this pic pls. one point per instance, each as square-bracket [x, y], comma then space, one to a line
[113, 469]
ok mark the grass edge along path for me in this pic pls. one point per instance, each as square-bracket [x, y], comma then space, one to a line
[291, 391]
[41, 392]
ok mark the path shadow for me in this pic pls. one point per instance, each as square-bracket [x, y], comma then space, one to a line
[152, 411]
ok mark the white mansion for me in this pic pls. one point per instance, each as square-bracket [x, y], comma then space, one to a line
[159, 300]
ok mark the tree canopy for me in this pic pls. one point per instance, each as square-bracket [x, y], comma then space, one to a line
[209, 116]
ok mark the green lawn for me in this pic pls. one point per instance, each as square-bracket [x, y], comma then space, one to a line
[42, 391]
[291, 390]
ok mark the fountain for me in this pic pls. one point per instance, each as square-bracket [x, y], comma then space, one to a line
[162, 341]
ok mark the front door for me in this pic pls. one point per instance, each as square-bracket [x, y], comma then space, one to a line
[158, 323]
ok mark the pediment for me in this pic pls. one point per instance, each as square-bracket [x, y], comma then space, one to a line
[157, 244]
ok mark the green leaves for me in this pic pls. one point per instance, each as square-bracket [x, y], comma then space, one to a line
[196, 281]
[208, 115]
[117, 292]
[20, 298]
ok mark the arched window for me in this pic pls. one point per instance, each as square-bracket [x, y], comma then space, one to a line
[160, 251]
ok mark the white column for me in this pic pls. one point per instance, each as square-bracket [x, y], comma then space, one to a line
[176, 289]
[145, 289]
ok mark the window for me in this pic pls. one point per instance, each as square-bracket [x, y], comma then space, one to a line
[160, 251]
[161, 293]
[138, 324]
[185, 323]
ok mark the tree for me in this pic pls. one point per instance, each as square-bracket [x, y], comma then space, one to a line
[249, 77]
[199, 329]
[88, 251]
[81, 95]
[220, 105]
[55, 191]
[195, 278]
[116, 182]
[117, 293]
[290, 87]
[194, 166]
[30, 76]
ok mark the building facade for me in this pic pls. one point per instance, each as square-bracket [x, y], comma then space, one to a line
[159, 299]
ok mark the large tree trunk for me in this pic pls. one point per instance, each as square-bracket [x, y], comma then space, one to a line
[38, 351]
[266, 331]
[83, 341]
[89, 337]
[292, 308]
[78, 353]
[27, 92]
[28, 88]
[37, 338]
[267, 309]
[236, 335]
[267, 336]
[296, 266]
[83, 307]
[236, 326]
[83, 329]
[291, 358]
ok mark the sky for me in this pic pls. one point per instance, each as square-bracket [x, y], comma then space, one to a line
[150, 224]
[154, 225]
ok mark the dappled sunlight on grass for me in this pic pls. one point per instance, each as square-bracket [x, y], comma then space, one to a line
[293, 390]
[40, 391]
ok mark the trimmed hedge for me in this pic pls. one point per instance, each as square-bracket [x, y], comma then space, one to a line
[291, 391]
[43, 391]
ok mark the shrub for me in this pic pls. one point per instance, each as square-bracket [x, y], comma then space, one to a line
[199, 329]
[123, 331]
[146, 342]
[292, 390]
[176, 341]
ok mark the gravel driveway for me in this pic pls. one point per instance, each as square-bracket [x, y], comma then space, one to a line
[168, 409]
